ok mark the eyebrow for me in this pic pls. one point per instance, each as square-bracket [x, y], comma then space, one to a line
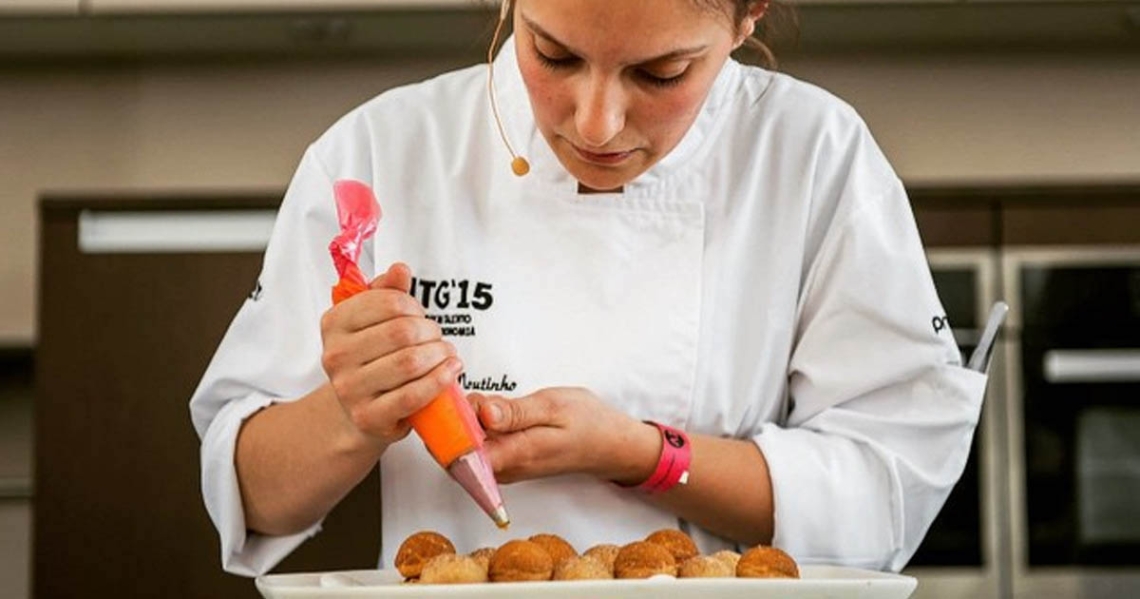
[666, 57]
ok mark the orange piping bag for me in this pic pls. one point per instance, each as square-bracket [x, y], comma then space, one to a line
[447, 426]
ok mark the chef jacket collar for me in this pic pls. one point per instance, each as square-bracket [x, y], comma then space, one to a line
[518, 120]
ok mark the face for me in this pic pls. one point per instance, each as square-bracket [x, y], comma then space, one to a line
[615, 84]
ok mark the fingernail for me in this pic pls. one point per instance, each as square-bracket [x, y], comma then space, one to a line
[494, 414]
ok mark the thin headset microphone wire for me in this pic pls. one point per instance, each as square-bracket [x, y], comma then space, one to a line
[519, 165]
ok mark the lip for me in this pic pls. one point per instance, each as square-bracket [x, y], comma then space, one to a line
[606, 159]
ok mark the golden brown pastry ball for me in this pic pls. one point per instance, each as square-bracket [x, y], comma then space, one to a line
[417, 549]
[449, 568]
[520, 560]
[605, 553]
[766, 562]
[483, 556]
[558, 548]
[678, 543]
[704, 566]
[582, 567]
[642, 559]
[729, 557]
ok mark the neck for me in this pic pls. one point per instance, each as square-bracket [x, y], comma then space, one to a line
[583, 190]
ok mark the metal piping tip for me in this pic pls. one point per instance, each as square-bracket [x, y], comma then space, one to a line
[502, 520]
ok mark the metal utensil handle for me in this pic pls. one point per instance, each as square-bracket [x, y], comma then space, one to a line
[980, 359]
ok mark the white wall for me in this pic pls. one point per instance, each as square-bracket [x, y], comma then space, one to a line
[940, 118]
[995, 118]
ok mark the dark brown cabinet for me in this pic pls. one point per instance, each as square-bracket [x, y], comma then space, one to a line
[123, 341]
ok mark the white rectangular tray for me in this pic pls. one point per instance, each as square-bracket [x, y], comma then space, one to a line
[817, 582]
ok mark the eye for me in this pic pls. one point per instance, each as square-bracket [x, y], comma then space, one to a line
[553, 56]
[556, 62]
[659, 81]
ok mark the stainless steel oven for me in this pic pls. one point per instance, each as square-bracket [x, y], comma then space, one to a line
[963, 553]
[1073, 357]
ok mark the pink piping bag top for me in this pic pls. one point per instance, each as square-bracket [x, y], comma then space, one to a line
[358, 213]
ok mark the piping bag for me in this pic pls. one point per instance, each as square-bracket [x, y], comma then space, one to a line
[447, 426]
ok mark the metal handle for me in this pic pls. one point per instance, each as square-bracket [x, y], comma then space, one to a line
[1092, 365]
[174, 231]
[980, 359]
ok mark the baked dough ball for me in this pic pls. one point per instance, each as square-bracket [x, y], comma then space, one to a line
[582, 567]
[642, 559]
[704, 566]
[520, 560]
[678, 543]
[483, 555]
[605, 553]
[558, 548]
[417, 549]
[449, 568]
[729, 557]
[766, 562]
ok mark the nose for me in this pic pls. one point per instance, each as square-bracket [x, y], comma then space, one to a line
[600, 114]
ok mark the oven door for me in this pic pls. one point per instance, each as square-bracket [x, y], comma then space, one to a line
[961, 555]
[1074, 421]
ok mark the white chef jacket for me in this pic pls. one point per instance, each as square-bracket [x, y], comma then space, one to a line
[764, 281]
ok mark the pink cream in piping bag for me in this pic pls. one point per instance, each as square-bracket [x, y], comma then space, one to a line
[447, 425]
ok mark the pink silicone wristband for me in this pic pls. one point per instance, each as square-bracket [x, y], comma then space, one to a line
[673, 465]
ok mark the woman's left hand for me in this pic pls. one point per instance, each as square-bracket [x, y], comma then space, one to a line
[563, 430]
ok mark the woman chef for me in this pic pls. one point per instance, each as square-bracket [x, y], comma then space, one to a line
[711, 247]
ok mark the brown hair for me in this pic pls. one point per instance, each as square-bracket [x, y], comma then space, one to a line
[779, 26]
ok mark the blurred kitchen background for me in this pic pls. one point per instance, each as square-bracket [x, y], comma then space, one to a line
[1015, 125]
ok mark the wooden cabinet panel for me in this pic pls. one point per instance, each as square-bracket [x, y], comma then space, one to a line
[955, 223]
[1028, 215]
[124, 339]
[1092, 223]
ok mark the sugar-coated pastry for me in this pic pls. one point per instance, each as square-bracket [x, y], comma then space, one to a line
[582, 567]
[483, 556]
[520, 560]
[728, 556]
[605, 553]
[704, 566]
[642, 559]
[678, 543]
[449, 568]
[766, 562]
[417, 549]
[558, 548]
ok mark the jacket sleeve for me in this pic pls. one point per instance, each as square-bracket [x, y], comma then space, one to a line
[270, 353]
[881, 414]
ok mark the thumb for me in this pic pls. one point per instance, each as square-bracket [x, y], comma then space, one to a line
[504, 415]
[398, 277]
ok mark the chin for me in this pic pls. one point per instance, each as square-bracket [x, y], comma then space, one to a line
[600, 179]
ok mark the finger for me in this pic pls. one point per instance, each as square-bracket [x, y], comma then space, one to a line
[370, 308]
[504, 415]
[478, 400]
[391, 409]
[389, 337]
[362, 347]
[403, 366]
[398, 277]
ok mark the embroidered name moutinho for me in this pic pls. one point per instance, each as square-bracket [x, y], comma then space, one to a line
[487, 383]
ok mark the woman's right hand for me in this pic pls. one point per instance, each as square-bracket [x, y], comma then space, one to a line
[384, 358]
